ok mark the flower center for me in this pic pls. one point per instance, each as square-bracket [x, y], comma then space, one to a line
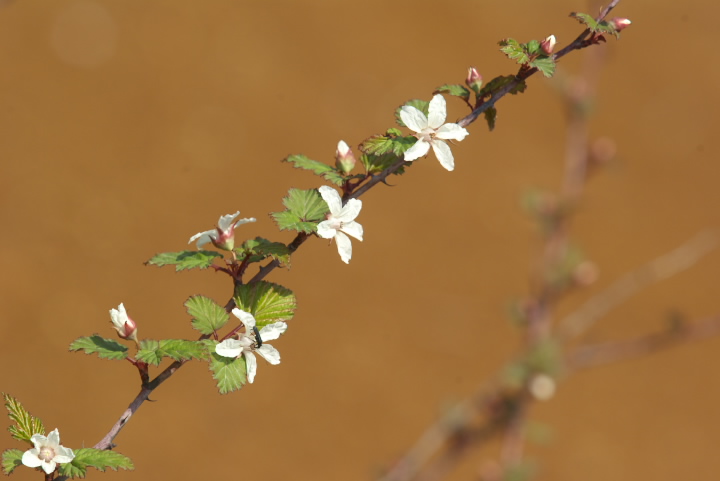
[427, 134]
[46, 453]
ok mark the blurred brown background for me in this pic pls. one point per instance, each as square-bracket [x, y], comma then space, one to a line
[127, 127]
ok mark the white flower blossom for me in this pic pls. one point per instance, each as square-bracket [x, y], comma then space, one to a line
[340, 221]
[125, 327]
[248, 343]
[47, 452]
[223, 236]
[431, 132]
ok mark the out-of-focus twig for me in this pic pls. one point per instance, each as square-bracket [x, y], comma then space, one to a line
[665, 266]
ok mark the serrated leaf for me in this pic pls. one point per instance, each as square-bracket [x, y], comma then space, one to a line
[514, 50]
[532, 47]
[258, 249]
[185, 259]
[546, 65]
[104, 348]
[318, 168]
[149, 352]
[385, 144]
[230, 374]
[455, 90]
[421, 105]
[267, 302]
[498, 83]
[490, 116]
[305, 208]
[96, 458]
[25, 423]
[585, 19]
[11, 459]
[207, 316]
[607, 27]
[374, 164]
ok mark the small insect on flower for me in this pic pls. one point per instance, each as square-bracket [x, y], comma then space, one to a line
[258, 339]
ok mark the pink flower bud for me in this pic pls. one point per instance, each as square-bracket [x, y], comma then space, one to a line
[125, 327]
[548, 45]
[620, 23]
[474, 79]
[344, 158]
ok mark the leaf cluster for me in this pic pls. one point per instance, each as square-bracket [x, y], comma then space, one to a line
[529, 55]
[601, 27]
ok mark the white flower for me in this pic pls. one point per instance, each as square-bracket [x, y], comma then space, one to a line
[125, 327]
[223, 236]
[340, 221]
[47, 452]
[430, 131]
[249, 343]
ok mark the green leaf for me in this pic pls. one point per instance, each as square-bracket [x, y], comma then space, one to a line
[258, 249]
[514, 50]
[498, 83]
[490, 116]
[25, 423]
[546, 65]
[374, 164]
[207, 316]
[185, 259]
[305, 208]
[387, 144]
[104, 348]
[153, 352]
[585, 19]
[318, 168]
[454, 89]
[97, 458]
[421, 105]
[11, 459]
[267, 302]
[230, 374]
[533, 47]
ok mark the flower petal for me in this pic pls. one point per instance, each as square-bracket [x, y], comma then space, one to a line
[444, 154]
[244, 221]
[229, 348]
[270, 354]
[413, 118]
[53, 438]
[251, 366]
[63, 455]
[344, 247]
[354, 229]
[226, 221]
[350, 211]
[247, 319]
[204, 237]
[451, 131]
[418, 150]
[332, 199]
[437, 111]
[119, 316]
[48, 466]
[326, 230]
[272, 331]
[30, 458]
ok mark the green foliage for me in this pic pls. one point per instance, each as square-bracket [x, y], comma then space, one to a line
[498, 83]
[305, 208]
[258, 249]
[528, 54]
[97, 458]
[185, 259]
[104, 348]
[25, 423]
[390, 143]
[455, 90]
[318, 168]
[514, 50]
[267, 302]
[421, 105]
[153, 352]
[230, 374]
[490, 116]
[595, 27]
[11, 459]
[207, 316]
[546, 65]
[374, 164]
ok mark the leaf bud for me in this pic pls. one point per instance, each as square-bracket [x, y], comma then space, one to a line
[344, 158]
[474, 79]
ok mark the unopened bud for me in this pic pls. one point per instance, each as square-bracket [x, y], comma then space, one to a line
[344, 158]
[474, 79]
[548, 45]
[620, 23]
[542, 387]
[125, 327]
